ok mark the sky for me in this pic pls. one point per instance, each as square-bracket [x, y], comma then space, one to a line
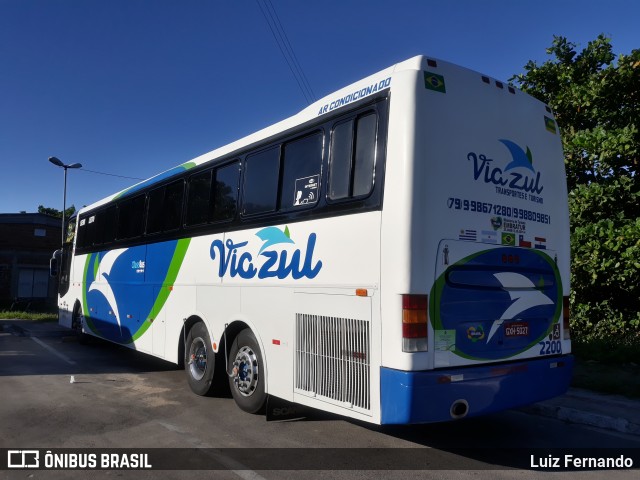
[131, 88]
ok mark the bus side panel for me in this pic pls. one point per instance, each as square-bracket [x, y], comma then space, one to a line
[124, 291]
[264, 272]
[334, 363]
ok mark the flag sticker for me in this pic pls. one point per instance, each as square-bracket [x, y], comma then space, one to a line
[468, 235]
[489, 236]
[508, 239]
[550, 124]
[523, 243]
[541, 243]
[435, 82]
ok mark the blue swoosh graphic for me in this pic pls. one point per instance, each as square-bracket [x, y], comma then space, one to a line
[272, 236]
[520, 157]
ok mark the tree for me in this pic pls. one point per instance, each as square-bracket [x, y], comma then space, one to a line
[57, 213]
[596, 100]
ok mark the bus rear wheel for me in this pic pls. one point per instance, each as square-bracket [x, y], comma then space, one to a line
[199, 360]
[246, 378]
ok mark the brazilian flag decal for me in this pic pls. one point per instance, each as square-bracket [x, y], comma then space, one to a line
[508, 239]
[550, 124]
[434, 82]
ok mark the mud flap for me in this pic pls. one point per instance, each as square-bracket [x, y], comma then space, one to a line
[279, 410]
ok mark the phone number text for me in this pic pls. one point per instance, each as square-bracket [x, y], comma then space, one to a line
[497, 209]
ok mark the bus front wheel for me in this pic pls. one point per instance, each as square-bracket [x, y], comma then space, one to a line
[199, 360]
[77, 322]
[246, 378]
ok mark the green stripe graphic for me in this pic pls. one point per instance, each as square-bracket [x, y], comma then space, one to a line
[163, 295]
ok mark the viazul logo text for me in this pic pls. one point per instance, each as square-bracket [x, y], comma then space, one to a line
[235, 261]
[519, 174]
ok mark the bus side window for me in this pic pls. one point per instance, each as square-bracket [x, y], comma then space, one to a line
[98, 228]
[225, 196]
[340, 162]
[155, 211]
[108, 219]
[164, 208]
[105, 221]
[172, 209]
[90, 230]
[352, 161]
[81, 241]
[198, 198]
[260, 188]
[302, 163]
[365, 155]
[130, 217]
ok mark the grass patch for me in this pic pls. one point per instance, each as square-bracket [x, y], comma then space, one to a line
[35, 316]
[607, 351]
[607, 367]
[607, 378]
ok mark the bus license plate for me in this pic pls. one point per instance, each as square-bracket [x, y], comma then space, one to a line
[516, 329]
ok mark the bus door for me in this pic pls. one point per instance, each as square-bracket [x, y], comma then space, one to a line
[494, 303]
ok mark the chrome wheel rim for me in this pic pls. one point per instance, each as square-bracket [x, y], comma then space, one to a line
[245, 371]
[198, 358]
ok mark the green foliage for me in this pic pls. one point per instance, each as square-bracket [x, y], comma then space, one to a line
[596, 101]
[57, 213]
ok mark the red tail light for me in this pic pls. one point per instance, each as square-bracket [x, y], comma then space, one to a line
[414, 323]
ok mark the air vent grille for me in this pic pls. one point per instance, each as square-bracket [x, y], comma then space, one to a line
[332, 359]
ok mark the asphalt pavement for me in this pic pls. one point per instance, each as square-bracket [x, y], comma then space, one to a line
[584, 407]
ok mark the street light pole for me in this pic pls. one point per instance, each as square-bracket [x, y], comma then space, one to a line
[59, 163]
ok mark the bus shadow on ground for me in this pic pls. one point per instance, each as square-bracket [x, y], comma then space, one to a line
[62, 352]
[505, 440]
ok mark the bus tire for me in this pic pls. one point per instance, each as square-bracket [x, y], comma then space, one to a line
[199, 363]
[246, 379]
[77, 322]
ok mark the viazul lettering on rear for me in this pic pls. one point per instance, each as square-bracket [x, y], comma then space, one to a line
[519, 174]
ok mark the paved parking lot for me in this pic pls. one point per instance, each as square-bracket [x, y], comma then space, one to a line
[124, 399]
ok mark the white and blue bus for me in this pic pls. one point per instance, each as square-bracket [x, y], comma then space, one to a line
[397, 252]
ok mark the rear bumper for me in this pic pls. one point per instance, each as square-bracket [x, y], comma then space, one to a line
[428, 396]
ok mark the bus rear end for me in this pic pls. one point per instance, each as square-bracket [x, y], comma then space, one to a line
[484, 301]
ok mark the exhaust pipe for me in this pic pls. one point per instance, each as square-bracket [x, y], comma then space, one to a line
[459, 409]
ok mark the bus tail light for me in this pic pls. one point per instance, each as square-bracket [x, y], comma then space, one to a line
[565, 318]
[414, 323]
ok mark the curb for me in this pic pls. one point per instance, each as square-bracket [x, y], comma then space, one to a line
[582, 417]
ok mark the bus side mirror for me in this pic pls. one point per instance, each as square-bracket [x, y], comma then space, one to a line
[54, 264]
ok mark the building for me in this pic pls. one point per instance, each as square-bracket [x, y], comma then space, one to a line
[27, 241]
